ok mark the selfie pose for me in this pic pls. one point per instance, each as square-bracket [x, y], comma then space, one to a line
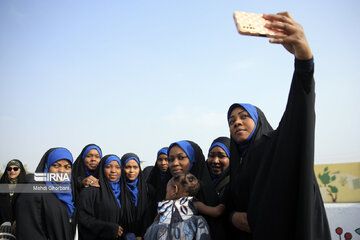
[273, 190]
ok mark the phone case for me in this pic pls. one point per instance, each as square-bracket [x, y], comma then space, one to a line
[251, 24]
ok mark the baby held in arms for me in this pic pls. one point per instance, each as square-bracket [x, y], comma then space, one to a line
[176, 215]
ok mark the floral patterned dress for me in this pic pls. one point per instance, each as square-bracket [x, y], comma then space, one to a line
[178, 221]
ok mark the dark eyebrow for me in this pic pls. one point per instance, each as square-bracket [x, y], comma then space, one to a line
[232, 116]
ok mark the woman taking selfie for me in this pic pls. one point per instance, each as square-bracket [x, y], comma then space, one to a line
[273, 191]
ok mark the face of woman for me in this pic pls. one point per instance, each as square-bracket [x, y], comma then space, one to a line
[61, 166]
[218, 160]
[112, 171]
[131, 170]
[12, 174]
[178, 161]
[92, 159]
[240, 124]
[162, 162]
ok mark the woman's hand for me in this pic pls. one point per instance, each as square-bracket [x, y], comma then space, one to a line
[239, 220]
[90, 181]
[289, 33]
[120, 231]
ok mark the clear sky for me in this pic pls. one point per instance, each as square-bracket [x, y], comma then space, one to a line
[135, 76]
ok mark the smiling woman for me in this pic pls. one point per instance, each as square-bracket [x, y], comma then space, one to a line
[218, 163]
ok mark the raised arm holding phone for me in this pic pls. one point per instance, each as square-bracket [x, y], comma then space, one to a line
[273, 190]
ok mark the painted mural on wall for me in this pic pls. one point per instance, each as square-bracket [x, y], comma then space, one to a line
[343, 220]
[346, 235]
[339, 183]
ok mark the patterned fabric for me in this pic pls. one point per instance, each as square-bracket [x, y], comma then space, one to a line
[177, 221]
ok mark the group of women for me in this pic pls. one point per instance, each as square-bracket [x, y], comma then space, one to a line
[110, 198]
[263, 177]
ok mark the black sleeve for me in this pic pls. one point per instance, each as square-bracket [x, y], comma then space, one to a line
[28, 216]
[91, 227]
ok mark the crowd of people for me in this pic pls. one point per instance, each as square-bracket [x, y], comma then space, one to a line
[257, 184]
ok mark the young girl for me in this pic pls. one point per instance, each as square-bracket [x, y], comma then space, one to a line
[176, 215]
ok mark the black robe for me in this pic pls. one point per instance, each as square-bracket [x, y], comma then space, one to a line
[158, 183]
[223, 180]
[7, 202]
[99, 212]
[42, 215]
[136, 219]
[78, 173]
[274, 182]
[207, 193]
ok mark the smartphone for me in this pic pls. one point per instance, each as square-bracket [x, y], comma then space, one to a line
[252, 24]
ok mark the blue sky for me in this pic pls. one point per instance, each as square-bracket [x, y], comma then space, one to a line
[134, 76]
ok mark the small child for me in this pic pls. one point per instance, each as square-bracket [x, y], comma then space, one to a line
[176, 215]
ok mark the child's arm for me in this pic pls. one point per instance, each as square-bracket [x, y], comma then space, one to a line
[209, 211]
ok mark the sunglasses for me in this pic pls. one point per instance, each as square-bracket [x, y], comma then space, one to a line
[12, 168]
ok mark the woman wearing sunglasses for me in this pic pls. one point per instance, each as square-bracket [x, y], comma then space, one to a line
[14, 173]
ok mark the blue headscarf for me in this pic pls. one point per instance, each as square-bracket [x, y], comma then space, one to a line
[225, 145]
[164, 150]
[132, 185]
[88, 171]
[115, 186]
[254, 115]
[66, 197]
[251, 109]
[187, 148]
